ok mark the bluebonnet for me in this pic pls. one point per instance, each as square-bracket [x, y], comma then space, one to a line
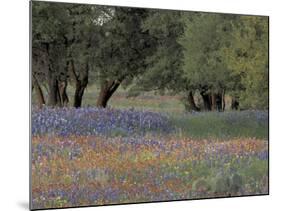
[97, 121]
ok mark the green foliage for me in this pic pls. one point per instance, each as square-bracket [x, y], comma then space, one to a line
[236, 183]
[247, 57]
[201, 185]
[82, 24]
[48, 19]
[255, 170]
[205, 35]
[228, 183]
[227, 52]
[223, 184]
[59, 202]
[163, 65]
[120, 46]
[67, 29]
[117, 132]
[48, 29]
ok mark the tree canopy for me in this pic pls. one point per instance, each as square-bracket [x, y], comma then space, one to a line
[212, 56]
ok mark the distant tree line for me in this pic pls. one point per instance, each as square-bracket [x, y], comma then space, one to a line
[185, 53]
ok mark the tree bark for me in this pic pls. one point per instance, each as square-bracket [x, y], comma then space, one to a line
[79, 92]
[38, 91]
[62, 91]
[106, 91]
[213, 101]
[81, 83]
[223, 100]
[206, 100]
[54, 96]
[218, 103]
[234, 103]
[191, 102]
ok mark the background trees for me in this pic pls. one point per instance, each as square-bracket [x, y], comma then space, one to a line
[120, 51]
[205, 58]
[164, 63]
[247, 57]
[49, 50]
[62, 36]
[205, 70]
[227, 54]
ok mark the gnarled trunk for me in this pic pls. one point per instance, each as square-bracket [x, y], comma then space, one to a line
[53, 87]
[234, 103]
[38, 91]
[218, 102]
[106, 91]
[207, 100]
[79, 92]
[213, 101]
[81, 83]
[223, 99]
[54, 95]
[62, 91]
[191, 102]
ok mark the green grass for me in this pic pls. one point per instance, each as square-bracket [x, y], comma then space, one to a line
[146, 101]
[119, 100]
[222, 125]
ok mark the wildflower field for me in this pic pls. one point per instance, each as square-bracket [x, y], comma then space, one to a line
[96, 156]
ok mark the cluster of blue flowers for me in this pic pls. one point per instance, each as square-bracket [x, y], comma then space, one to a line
[258, 116]
[97, 121]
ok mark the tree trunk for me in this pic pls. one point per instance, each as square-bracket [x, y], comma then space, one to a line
[81, 83]
[63, 94]
[206, 100]
[38, 91]
[79, 92]
[102, 99]
[217, 101]
[53, 89]
[106, 91]
[223, 100]
[54, 96]
[234, 103]
[213, 101]
[218, 97]
[191, 102]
